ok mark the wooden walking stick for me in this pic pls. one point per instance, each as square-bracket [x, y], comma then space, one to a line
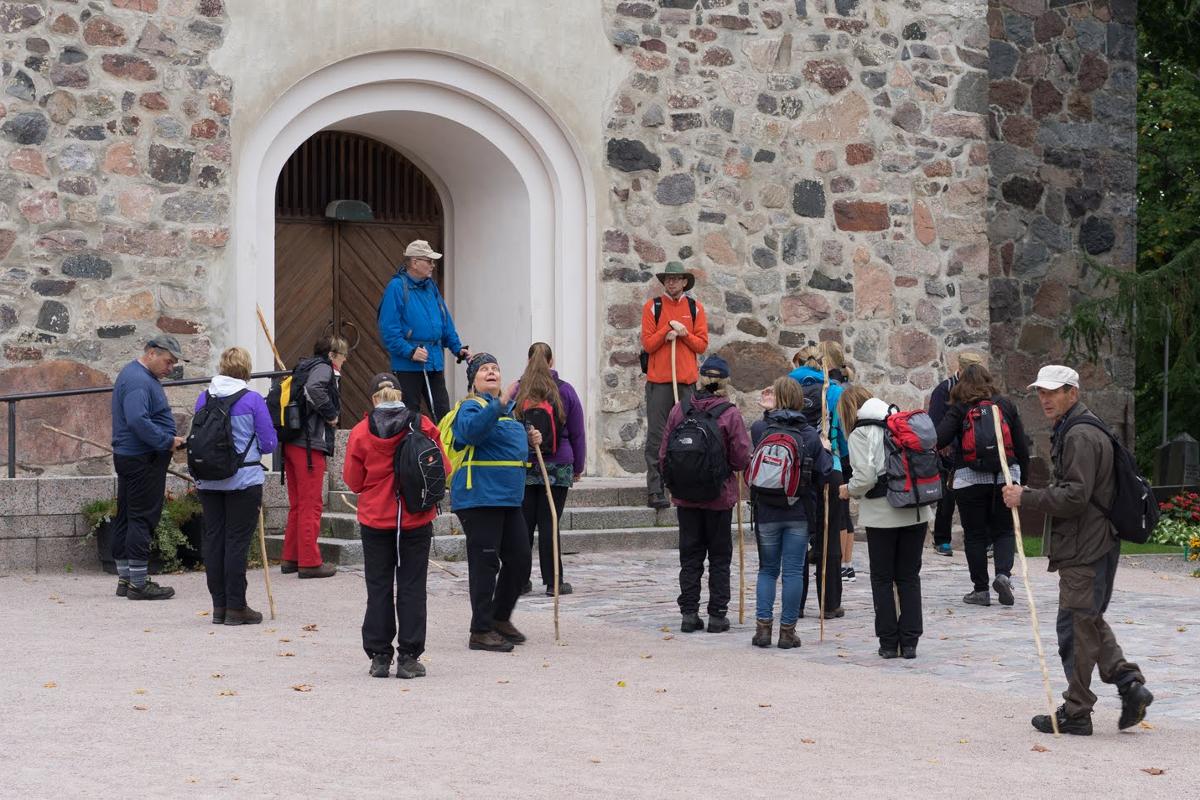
[1033, 617]
[674, 379]
[262, 320]
[262, 544]
[108, 449]
[823, 567]
[741, 557]
[554, 531]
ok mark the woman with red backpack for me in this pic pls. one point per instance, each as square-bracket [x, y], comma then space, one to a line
[395, 539]
[977, 477]
[551, 405]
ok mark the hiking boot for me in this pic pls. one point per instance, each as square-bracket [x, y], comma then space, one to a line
[506, 629]
[288, 567]
[1134, 699]
[848, 575]
[325, 570]
[527, 588]
[658, 502]
[380, 665]
[787, 637]
[563, 588]
[908, 651]
[836, 613]
[151, 591]
[943, 549]
[242, 616]
[762, 632]
[1003, 587]
[489, 641]
[718, 623]
[888, 652]
[1076, 726]
[691, 623]
[122, 587]
[980, 598]
[218, 615]
[409, 667]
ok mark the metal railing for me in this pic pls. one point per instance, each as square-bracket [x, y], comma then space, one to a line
[12, 399]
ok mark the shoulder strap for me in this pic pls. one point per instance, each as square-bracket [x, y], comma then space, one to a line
[717, 410]
[657, 309]
[692, 307]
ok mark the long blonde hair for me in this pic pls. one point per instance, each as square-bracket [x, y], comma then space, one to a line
[538, 384]
[851, 401]
[788, 393]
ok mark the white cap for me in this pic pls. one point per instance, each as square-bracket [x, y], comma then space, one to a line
[421, 249]
[1055, 376]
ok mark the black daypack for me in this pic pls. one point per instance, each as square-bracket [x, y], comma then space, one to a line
[695, 466]
[1134, 511]
[418, 468]
[211, 454]
[287, 403]
[644, 357]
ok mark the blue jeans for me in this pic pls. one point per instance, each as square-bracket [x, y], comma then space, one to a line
[781, 544]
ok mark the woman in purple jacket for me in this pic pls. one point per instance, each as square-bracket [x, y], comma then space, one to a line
[546, 401]
[231, 505]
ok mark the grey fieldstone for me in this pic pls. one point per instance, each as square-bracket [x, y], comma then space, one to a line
[808, 199]
[676, 190]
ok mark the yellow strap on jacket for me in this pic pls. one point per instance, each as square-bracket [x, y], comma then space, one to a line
[464, 455]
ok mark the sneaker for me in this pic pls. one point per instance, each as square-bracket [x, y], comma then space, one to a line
[848, 575]
[718, 623]
[218, 615]
[658, 502]
[563, 588]
[380, 665]
[242, 616]
[506, 629]
[1076, 726]
[288, 567]
[527, 588]
[151, 591]
[943, 549]
[691, 623]
[981, 598]
[909, 651]
[1134, 700]
[324, 570]
[122, 587]
[888, 652]
[491, 641]
[1003, 587]
[409, 667]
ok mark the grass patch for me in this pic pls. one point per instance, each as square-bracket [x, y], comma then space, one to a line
[1033, 548]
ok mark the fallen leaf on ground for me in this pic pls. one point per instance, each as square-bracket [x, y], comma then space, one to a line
[285, 654]
[227, 693]
[1037, 748]
[302, 687]
[504, 680]
[203, 613]
[668, 638]
[141, 708]
[1146, 726]
[310, 627]
[660, 691]
[1182, 629]
[145, 630]
[647, 656]
[764, 705]
[964, 741]
[808, 741]
[1153, 771]
[285, 641]
[594, 760]
[139, 691]
[665, 629]
[621, 684]
[943, 638]
[216, 675]
[49, 685]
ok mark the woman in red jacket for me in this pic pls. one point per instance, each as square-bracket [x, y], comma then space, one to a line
[389, 555]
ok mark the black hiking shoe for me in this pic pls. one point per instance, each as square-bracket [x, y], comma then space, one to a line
[718, 623]
[1134, 699]
[980, 598]
[888, 652]
[242, 616]
[1076, 726]
[691, 623]
[218, 615]
[563, 588]
[491, 641]
[380, 665]
[509, 631]
[527, 588]
[408, 667]
[122, 587]
[151, 591]
[1003, 587]
[288, 567]
[909, 651]
[658, 502]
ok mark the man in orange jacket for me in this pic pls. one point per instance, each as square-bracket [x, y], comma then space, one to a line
[671, 317]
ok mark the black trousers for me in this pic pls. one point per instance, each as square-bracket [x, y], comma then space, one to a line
[416, 394]
[704, 533]
[537, 518]
[498, 562]
[230, 519]
[945, 511]
[986, 521]
[829, 572]
[141, 481]
[403, 564]
[895, 555]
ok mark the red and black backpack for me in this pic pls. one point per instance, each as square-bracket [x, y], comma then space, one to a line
[980, 450]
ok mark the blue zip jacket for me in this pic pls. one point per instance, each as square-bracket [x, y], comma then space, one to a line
[411, 315]
[837, 436]
[496, 437]
[141, 416]
[249, 418]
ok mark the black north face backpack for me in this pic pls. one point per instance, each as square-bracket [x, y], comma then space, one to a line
[695, 466]
[1134, 511]
[418, 468]
[211, 454]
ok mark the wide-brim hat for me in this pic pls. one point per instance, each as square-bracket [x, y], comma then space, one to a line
[420, 248]
[676, 268]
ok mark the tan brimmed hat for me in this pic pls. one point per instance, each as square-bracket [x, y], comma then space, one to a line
[420, 249]
[967, 358]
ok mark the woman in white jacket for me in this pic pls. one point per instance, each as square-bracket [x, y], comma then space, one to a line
[895, 536]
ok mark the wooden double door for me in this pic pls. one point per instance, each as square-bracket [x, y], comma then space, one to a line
[329, 279]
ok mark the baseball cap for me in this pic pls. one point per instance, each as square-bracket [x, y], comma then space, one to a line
[1055, 376]
[420, 248]
[165, 341]
[384, 380]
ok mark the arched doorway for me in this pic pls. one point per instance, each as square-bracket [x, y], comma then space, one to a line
[332, 262]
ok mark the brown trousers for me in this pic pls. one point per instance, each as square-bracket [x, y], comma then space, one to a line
[1084, 639]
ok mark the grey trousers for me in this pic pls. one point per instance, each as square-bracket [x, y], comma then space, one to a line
[659, 402]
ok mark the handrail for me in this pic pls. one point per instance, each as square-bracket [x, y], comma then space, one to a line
[13, 399]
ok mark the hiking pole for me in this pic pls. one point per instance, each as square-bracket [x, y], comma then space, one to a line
[354, 508]
[108, 449]
[428, 389]
[674, 379]
[823, 568]
[741, 557]
[1033, 617]
[262, 544]
[262, 320]
[553, 531]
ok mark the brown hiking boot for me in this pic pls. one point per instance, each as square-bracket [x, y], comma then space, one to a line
[506, 629]
[490, 641]
[762, 632]
[787, 637]
[242, 616]
[326, 570]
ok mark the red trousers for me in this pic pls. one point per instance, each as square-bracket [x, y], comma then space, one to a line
[306, 490]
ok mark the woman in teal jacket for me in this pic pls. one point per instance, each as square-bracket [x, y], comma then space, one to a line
[487, 492]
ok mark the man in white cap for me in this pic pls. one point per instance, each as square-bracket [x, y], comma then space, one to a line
[1081, 545]
[415, 327]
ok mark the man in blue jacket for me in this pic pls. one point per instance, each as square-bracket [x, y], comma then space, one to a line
[143, 438]
[415, 327]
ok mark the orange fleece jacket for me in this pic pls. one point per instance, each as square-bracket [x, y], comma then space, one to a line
[687, 348]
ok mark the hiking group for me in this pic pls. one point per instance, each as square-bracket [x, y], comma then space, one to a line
[507, 457]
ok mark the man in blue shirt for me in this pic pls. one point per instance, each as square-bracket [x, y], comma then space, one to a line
[415, 326]
[143, 438]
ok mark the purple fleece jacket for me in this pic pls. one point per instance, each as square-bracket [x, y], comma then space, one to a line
[737, 447]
